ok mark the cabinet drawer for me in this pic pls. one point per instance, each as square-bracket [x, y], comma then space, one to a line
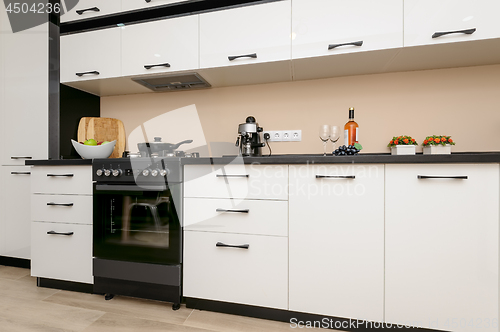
[70, 209]
[62, 257]
[79, 12]
[255, 276]
[62, 180]
[236, 216]
[236, 181]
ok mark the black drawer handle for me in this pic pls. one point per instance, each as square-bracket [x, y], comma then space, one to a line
[56, 233]
[93, 9]
[241, 246]
[233, 57]
[21, 157]
[158, 65]
[59, 204]
[20, 173]
[233, 175]
[466, 31]
[332, 46]
[458, 177]
[237, 211]
[335, 176]
[94, 72]
[63, 175]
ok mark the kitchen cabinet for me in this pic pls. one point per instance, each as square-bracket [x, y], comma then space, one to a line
[160, 46]
[87, 9]
[336, 240]
[91, 55]
[61, 223]
[441, 246]
[424, 18]
[15, 216]
[141, 4]
[245, 35]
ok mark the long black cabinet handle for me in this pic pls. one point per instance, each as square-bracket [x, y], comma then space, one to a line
[57, 233]
[63, 175]
[241, 246]
[20, 173]
[458, 177]
[466, 31]
[94, 72]
[332, 46]
[237, 211]
[59, 204]
[335, 176]
[158, 65]
[93, 9]
[233, 175]
[233, 57]
[21, 157]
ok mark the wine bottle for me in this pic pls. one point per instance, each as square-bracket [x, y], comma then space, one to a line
[351, 129]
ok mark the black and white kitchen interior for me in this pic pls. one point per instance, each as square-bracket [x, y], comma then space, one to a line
[262, 164]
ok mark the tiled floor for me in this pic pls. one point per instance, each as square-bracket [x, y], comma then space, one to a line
[26, 307]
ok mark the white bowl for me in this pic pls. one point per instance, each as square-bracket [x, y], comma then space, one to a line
[94, 151]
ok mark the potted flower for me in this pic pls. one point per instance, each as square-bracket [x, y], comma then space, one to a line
[402, 145]
[437, 144]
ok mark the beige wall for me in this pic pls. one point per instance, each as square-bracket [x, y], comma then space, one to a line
[461, 102]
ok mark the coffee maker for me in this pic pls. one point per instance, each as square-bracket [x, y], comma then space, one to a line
[249, 140]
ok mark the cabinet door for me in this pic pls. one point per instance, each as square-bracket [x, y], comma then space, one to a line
[160, 46]
[262, 31]
[24, 110]
[336, 240]
[15, 196]
[142, 4]
[326, 27]
[90, 55]
[442, 246]
[424, 18]
[86, 9]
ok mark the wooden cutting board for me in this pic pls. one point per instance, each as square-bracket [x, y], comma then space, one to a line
[103, 129]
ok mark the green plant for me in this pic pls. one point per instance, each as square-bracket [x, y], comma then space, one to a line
[438, 140]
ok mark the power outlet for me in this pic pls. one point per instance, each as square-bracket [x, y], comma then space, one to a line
[296, 135]
[275, 136]
[284, 135]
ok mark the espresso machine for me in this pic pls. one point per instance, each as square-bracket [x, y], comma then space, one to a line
[249, 140]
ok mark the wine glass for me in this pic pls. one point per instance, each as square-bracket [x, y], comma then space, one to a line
[324, 135]
[334, 135]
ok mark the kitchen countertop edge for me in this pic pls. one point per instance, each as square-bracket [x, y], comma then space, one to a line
[58, 162]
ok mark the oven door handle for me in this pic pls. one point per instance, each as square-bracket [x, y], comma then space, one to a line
[110, 187]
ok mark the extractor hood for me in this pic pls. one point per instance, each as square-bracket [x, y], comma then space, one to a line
[174, 82]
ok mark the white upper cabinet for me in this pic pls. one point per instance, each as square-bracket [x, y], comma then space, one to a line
[145, 4]
[86, 9]
[251, 34]
[326, 27]
[160, 46]
[453, 20]
[91, 55]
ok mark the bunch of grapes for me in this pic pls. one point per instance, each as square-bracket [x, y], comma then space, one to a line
[343, 150]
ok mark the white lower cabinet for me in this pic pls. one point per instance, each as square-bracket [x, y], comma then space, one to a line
[62, 251]
[254, 276]
[336, 234]
[441, 246]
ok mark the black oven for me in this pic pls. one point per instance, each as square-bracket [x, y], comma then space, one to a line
[137, 228]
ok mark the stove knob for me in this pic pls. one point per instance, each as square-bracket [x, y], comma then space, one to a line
[117, 172]
[146, 172]
[99, 172]
[155, 172]
[164, 172]
[107, 172]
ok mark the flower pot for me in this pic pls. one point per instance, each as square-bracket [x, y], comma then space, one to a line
[437, 149]
[400, 150]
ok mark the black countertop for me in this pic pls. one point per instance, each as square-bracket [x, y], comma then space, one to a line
[58, 162]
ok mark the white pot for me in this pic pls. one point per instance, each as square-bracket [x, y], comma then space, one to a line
[400, 150]
[437, 149]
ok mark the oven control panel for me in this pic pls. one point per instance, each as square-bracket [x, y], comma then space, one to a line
[138, 170]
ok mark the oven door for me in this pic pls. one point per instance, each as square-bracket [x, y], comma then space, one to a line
[136, 224]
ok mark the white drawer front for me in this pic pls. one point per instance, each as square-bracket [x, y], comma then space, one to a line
[104, 8]
[236, 216]
[140, 4]
[255, 276]
[62, 257]
[72, 209]
[62, 180]
[236, 181]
